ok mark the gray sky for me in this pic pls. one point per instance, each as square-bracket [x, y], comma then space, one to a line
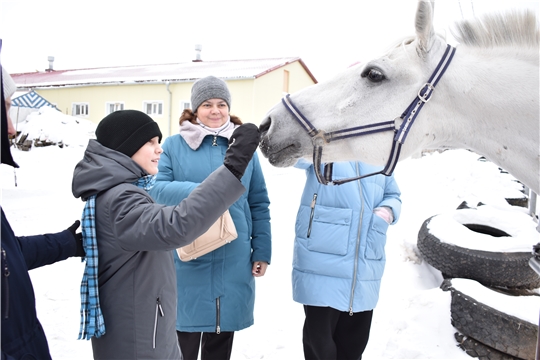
[327, 35]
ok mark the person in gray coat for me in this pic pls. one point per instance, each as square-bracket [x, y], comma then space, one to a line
[128, 292]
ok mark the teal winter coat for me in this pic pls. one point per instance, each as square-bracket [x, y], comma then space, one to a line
[216, 292]
[341, 263]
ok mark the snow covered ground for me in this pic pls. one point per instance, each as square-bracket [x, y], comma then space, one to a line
[411, 321]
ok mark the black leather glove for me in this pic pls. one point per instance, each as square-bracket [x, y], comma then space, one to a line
[78, 239]
[242, 144]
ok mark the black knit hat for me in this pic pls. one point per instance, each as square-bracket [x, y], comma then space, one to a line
[126, 131]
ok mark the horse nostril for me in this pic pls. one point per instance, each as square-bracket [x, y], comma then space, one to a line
[265, 125]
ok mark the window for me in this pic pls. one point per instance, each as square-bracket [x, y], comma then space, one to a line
[153, 107]
[111, 107]
[79, 109]
[286, 81]
[184, 104]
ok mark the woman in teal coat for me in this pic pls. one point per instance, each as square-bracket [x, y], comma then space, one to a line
[216, 292]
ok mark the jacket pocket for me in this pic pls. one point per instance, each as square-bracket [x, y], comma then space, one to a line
[376, 238]
[329, 229]
[159, 313]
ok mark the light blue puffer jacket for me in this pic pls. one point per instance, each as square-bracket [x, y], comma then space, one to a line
[341, 263]
[217, 289]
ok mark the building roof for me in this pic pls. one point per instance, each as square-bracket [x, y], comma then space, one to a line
[159, 73]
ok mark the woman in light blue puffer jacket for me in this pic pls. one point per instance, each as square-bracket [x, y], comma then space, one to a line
[339, 257]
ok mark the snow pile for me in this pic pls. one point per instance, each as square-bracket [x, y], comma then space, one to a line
[449, 228]
[50, 125]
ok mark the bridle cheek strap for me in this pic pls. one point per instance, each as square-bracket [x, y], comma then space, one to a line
[325, 177]
[319, 138]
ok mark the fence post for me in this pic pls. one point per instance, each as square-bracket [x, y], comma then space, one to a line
[532, 203]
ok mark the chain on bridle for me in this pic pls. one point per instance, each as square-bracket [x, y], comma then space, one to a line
[319, 137]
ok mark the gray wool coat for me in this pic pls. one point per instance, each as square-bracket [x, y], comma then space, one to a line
[135, 236]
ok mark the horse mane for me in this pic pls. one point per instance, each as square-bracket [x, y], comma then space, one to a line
[499, 29]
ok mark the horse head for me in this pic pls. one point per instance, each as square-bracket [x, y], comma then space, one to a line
[363, 94]
[487, 101]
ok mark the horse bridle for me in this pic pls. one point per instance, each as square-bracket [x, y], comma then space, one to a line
[319, 137]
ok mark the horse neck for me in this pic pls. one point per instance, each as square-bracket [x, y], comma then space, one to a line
[488, 102]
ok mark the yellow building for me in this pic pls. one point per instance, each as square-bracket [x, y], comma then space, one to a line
[163, 91]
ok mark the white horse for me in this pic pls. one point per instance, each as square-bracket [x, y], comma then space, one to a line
[486, 101]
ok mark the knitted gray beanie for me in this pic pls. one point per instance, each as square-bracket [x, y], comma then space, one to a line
[209, 87]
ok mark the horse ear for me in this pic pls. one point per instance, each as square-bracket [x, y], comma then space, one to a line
[424, 26]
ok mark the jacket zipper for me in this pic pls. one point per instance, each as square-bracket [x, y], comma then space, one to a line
[357, 242]
[5, 289]
[159, 312]
[214, 141]
[313, 202]
[218, 327]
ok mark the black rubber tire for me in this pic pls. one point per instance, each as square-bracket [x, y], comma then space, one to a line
[523, 202]
[503, 332]
[476, 349]
[498, 269]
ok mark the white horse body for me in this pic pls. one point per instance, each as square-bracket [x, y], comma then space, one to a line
[487, 101]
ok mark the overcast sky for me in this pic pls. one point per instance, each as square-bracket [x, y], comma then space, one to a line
[327, 35]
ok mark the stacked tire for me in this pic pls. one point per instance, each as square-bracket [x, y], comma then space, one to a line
[504, 333]
[484, 331]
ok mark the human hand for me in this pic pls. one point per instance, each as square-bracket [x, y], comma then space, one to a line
[385, 212]
[242, 144]
[259, 268]
[78, 239]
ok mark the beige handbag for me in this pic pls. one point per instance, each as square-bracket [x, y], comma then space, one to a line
[220, 233]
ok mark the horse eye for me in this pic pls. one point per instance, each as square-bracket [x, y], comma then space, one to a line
[374, 75]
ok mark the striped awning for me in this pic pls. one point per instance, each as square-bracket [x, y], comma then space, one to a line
[31, 100]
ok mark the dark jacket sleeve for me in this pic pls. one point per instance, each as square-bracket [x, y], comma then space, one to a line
[40, 250]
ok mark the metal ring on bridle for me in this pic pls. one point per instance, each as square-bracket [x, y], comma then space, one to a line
[319, 139]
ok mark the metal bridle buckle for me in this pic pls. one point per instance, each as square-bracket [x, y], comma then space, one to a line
[427, 95]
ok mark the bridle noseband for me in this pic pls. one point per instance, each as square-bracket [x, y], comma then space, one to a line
[319, 137]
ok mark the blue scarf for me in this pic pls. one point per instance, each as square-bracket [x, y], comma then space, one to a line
[92, 323]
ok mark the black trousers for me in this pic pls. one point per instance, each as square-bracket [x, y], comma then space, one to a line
[213, 346]
[330, 334]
